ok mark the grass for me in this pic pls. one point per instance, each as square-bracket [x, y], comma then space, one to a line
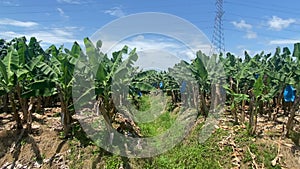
[264, 152]
[153, 119]
[158, 126]
[150, 107]
[144, 102]
[112, 162]
[190, 153]
[23, 142]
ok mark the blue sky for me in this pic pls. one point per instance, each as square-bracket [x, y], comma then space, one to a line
[252, 25]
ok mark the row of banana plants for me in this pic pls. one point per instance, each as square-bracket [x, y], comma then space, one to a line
[255, 85]
[29, 72]
[31, 75]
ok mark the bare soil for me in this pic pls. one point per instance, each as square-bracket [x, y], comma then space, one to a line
[44, 147]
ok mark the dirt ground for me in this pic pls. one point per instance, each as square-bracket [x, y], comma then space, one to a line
[44, 148]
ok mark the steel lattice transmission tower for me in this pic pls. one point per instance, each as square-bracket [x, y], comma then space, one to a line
[218, 34]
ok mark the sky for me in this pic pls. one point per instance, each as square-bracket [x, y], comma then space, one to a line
[253, 26]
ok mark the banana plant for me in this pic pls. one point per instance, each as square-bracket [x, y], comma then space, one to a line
[3, 52]
[59, 72]
[111, 77]
[21, 63]
[239, 74]
[25, 74]
[8, 84]
[237, 99]
[199, 69]
[296, 79]
[279, 75]
[142, 82]
[172, 89]
[259, 95]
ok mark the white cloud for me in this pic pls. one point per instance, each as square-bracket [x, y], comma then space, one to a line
[252, 50]
[156, 52]
[69, 1]
[56, 36]
[62, 13]
[115, 11]
[250, 34]
[9, 3]
[139, 43]
[52, 38]
[241, 52]
[283, 41]
[12, 22]
[10, 35]
[62, 32]
[142, 43]
[242, 25]
[277, 23]
[156, 59]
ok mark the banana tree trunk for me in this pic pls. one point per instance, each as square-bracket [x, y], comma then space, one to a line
[23, 103]
[253, 118]
[29, 118]
[47, 101]
[279, 100]
[251, 113]
[14, 109]
[243, 112]
[276, 110]
[112, 109]
[66, 117]
[289, 125]
[39, 104]
[174, 100]
[195, 97]
[218, 96]
[254, 125]
[5, 99]
[261, 108]
[269, 110]
[203, 108]
[107, 120]
[234, 112]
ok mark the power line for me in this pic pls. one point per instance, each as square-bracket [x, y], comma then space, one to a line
[261, 7]
[261, 34]
[260, 3]
[262, 25]
[250, 17]
[83, 3]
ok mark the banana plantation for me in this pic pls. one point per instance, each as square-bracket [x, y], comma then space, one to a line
[34, 78]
